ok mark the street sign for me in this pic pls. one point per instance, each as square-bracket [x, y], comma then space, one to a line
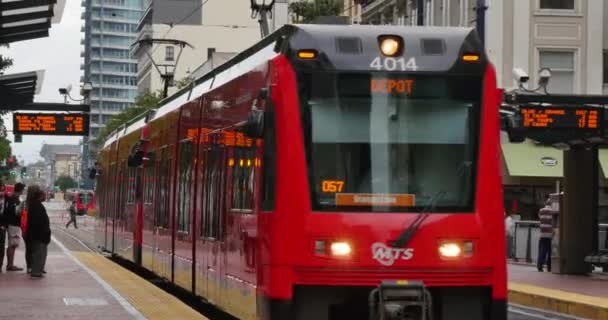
[55, 124]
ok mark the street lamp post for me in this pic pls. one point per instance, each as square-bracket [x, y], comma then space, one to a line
[261, 9]
[87, 88]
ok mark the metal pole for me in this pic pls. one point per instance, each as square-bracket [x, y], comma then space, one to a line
[420, 7]
[481, 20]
[264, 22]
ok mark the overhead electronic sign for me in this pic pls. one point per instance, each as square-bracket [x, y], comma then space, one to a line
[54, 124]
[580, 118]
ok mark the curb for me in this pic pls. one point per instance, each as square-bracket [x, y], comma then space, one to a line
[558, 301]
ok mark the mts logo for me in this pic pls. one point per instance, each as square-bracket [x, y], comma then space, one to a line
[387, 256]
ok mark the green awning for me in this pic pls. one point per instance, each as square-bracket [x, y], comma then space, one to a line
[531, 160]
[528, 159]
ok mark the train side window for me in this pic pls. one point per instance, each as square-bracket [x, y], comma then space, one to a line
[111, 196]
[214, 193]
[161, 212]
[149, 182]
[185, 185]
[243, 165]
[124, 189]
[269, 161]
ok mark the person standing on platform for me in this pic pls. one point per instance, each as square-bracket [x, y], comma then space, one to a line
[510, 232]
[38, 230]
[546, 236]
[12, 221]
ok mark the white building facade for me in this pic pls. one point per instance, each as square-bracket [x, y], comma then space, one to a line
[216, 26]
[568, 36]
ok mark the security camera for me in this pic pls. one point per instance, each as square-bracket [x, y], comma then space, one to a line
[63, 91]
[543, 76]
[520, 75]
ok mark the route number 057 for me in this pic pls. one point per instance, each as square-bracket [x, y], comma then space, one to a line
[392, 64]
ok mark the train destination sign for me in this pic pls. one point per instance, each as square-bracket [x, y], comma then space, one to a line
[55, 124]
[572, 118]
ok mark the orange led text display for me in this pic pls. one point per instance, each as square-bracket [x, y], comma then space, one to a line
[391, 86]
[51, 124]
[565, 118]
[332, 186]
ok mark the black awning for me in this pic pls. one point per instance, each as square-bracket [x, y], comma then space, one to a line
[19, 89]
[25, 19]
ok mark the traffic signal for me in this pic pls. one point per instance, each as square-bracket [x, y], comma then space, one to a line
[23, 171]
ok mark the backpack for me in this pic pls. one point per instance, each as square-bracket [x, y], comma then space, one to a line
[24, 220]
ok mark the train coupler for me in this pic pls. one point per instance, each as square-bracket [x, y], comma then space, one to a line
[400, 300]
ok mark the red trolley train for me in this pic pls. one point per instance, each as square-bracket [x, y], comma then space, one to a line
[328, 172]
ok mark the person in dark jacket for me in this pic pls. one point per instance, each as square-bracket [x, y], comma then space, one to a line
[12, 220]
[73, 214]
[38, 231]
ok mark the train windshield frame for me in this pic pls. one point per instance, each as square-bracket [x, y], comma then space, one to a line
[391, 142]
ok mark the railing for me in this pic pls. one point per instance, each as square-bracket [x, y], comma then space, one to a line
[527, 233]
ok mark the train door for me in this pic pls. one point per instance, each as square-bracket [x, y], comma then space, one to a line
[241, 228]
[214, 220]
[183, 241]
[162, 218]
[110, 208]
[150, 178]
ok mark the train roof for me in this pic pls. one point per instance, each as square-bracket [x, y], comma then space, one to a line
[343, 47]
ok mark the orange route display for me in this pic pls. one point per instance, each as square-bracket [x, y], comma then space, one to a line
[54, 124]
[572, 118]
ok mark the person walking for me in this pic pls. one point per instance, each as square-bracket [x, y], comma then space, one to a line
[38, 231]
[545, 215]
[73, 215]
[510, 232]
[12, 220]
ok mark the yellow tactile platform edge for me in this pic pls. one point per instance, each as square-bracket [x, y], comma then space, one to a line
[559, 301]
[152, 302]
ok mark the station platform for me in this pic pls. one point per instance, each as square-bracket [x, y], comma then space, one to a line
[82, 284]
[580, 296]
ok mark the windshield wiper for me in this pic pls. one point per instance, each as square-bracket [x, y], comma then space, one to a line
[407, 234]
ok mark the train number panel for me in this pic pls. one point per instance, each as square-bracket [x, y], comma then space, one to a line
[51, 124]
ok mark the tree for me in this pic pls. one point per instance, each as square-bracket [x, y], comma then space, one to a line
[5, 144]
[307, 11]
[65, 182]
[5, 63]
[143, 103]
[184, 82]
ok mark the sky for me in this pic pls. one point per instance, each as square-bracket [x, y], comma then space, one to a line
[59, 56]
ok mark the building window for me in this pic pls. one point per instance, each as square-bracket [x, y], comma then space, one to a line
[557, 4]
[169, 53]
[606, 67]
[561, 64]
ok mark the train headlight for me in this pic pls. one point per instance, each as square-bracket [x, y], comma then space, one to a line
[391, 46]
[450, 250]
[340, 249]
[455, 249]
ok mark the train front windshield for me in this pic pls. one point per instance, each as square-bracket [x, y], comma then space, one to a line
[85, 198]
[391, 143]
